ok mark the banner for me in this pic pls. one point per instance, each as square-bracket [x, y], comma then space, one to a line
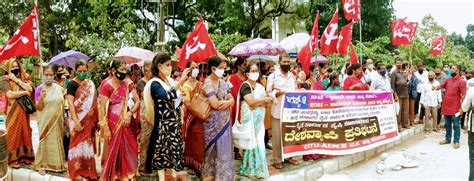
[336, 123]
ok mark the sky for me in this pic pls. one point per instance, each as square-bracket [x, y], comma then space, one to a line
[454, 15]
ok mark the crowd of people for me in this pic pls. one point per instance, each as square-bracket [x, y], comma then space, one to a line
[148, 121]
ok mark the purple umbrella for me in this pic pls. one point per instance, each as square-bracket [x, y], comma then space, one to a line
[318, 59]
[257, 46]
[68, 58]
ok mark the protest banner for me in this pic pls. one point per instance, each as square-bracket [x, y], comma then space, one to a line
[337, 122]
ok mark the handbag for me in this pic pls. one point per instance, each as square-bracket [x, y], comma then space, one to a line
[243, 134]
[199, 104]
[27, 104]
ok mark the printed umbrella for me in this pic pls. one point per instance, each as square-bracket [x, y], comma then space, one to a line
[132, 55]
[68, 58]
[270, 60]
[257, 46]
[295, 42]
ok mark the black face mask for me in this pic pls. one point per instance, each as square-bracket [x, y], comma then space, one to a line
[431, 79]
[437, 74]
[68, 76]
[59, 75]
[16, 72]
[120, 75]
[420, 71]
[468, 77]
[285, 68]
[453, 74]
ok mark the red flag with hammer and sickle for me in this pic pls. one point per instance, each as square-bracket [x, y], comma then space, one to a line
[351, 9]
[306, 53]
[198, 46]
[345, 38]
[403, 32]
[25, 41]
[329, 38]
[438, 45]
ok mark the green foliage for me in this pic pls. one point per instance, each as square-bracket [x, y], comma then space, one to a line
[225, 43]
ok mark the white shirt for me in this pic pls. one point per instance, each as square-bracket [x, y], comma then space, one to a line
[370, 74]
[275, 81]
[380, 83]
[470, 83]
[423, 80]
[467, 103]
[430, 97]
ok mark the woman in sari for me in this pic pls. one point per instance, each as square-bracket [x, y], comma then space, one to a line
[82, 102]
[165, 150]
[50, 104]
[253, 100]
[119, 129]
[218, 161]
[193, 130]
[353, 82]
[19, 142]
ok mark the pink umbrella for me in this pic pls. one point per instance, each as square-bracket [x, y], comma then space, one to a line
[318, 59]
[257, 46]
[132, 55]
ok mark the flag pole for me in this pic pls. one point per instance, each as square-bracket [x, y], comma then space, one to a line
[39, 41]
[360, 38]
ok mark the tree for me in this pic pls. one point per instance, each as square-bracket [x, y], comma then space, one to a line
[470, 39]
[429, 29]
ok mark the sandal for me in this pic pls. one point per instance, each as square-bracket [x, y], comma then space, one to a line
[292, 161]
[278, 166]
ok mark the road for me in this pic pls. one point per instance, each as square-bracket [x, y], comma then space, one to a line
[436, 162]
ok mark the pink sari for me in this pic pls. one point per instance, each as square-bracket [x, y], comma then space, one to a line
[122, 155]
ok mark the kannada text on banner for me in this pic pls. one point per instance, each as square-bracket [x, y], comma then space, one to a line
[336, 123]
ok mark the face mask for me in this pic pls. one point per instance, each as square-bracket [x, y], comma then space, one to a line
[317, 74]
[16, 72]
[431, 79]
[48, 80]
[219, 72]
[468, 77]
[285, 68]
[120, 75]
[59, 75]
[453, 74]
[383, 72]
[399, 67]
[370, 66]
[446, 69]
[68, 76]
[195, 72]
[437, 74]
[420, 71]
[363, 69]
[81, 76]
[254, 76]
[166, 70]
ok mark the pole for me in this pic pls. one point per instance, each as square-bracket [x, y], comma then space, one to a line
[39, 42]
[360, 39]
[410, 52]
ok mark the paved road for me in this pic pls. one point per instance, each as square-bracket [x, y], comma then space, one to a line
[436, 162]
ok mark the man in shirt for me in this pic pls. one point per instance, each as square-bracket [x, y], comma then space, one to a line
[468, 108]
[370, 73]
[431, 101]
[278, 83]
[454, 91]
[440, 77]
[380, 81]
[422, 76]
[399, 83]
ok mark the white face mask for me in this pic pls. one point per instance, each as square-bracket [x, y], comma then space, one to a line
[219, 72]
[370, 66]
[195, 72]
[254, 76]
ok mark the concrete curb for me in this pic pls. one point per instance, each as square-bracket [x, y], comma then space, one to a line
[332, 165]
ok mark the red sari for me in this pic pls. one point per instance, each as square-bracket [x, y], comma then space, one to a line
[122, 154]
[81, 153]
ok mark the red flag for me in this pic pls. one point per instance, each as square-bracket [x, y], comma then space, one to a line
[25, 40]
[351, 9]
[306, 53]
[403, 32]
[345, 38]
[329, 38]
[438, 45]
[198, 46]
[353, 59]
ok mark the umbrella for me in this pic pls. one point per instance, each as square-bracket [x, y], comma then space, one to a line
[132, 55]
[318, 59]
[263, 58]
[257, 46]
[295, 42]
[68, 58]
